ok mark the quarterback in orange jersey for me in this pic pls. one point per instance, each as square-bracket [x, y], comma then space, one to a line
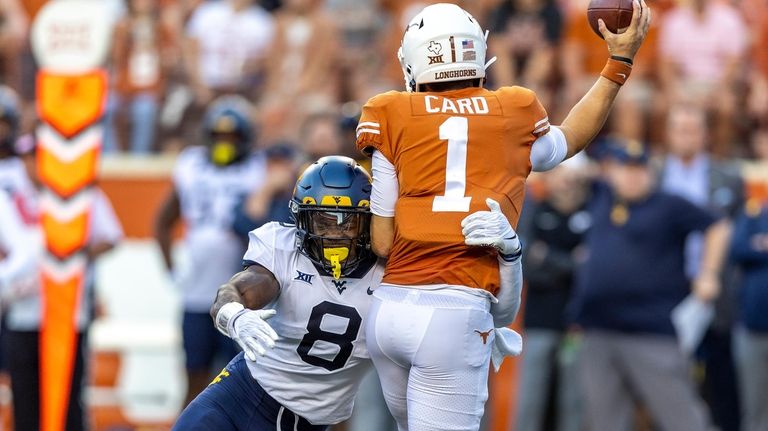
[442, 151]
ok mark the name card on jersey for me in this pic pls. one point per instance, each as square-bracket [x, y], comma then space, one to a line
[428, 104]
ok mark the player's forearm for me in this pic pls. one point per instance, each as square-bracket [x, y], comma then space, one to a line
[254, 287]
[382, 235]
[587, 117]
[511, 280]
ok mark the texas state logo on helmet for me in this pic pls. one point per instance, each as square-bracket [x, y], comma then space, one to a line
[228, 130]
[442, 43]
[330, 206]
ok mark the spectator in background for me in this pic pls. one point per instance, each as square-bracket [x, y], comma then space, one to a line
[755, 170]
[690, 173]
[270, 201]
[701, 48]
[303, 66]
[524, 35]
[226, 48]
[749, 250]
[20, 252]
[625, 292]
[142, 54]
[13, 175]
[24, 312]
[582, 54]
[552, 231]
[13, 33]
[757, 103]
[208, 182]
[321, 136]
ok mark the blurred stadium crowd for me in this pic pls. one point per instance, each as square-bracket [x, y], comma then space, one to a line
[697, 104]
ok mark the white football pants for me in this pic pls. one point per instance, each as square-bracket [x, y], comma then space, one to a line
[431, 348]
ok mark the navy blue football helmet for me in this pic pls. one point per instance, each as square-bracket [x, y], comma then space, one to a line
[228, 130]
[331, 209]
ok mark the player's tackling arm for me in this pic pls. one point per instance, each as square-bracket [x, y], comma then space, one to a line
[587, 117]
[238, 310]
[254, 287]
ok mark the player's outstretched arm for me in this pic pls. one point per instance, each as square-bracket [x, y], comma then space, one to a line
[587, 117]
[238, 310]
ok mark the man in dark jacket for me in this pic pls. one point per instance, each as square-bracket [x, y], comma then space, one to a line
[626, 290]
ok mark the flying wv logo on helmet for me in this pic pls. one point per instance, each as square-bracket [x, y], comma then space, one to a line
[330, 206]
[442, 43]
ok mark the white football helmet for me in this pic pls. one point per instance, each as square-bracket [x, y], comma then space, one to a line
[442, 43]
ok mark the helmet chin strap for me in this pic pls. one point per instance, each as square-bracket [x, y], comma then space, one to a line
[489, 62]
[335, 255]
[493, 59]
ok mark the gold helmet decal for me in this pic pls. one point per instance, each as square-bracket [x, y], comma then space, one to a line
[339, 201]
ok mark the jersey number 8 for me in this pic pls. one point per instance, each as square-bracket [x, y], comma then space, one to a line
[344, 341]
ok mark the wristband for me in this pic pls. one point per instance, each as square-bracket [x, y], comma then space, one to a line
[226, 314]
[515, 255]
[616, 71]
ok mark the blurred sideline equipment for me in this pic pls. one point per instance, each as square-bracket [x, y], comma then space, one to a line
[70, 48]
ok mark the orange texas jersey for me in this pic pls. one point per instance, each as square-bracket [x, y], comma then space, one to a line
[451, 150]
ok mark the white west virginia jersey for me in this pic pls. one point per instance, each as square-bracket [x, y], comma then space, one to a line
[316, 365]
[208, 195]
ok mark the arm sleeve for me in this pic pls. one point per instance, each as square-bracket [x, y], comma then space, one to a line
[511, 279]
[689, 217]
[386, 188]
[18, 242]
[548, 150]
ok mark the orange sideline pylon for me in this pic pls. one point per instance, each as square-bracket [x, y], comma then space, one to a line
[67, 160]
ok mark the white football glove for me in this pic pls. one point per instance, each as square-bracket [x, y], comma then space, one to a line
[249, 328]
[491, 229]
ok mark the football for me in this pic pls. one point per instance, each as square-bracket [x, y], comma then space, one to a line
[616, 14]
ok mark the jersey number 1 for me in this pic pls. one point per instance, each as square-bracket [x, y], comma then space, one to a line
[455, 131]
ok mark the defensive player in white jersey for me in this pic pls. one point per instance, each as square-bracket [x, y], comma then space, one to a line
[208, 182]
[314, 280]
